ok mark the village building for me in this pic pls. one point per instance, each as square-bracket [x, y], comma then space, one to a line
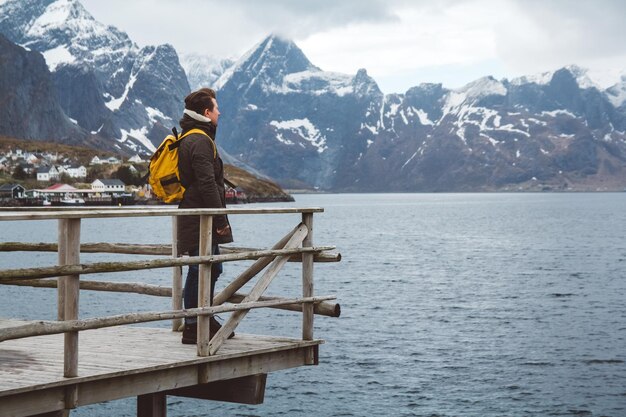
[12, 191]
[46, 174]
[108, 186]
[74, 171]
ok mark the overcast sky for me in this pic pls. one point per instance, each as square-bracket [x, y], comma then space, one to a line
[401, 43]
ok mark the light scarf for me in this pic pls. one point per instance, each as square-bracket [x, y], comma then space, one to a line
[196, 116]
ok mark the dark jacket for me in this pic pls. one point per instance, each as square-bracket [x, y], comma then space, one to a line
[202, 175]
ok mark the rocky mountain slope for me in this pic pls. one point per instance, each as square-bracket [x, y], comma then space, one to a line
[104, 81]
[290, 120]
[299, 124]
[29, 105]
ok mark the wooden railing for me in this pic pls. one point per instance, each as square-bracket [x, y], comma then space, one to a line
[296, 246]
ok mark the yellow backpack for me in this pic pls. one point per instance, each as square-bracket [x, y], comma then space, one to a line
[164, 178]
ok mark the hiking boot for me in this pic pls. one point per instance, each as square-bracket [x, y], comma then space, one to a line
[190, 334]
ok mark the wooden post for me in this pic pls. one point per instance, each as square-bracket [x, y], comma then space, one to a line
[61, 251]
[204, 284]
[177, 277]
[152, 405]
[71, 238]
[307, 282]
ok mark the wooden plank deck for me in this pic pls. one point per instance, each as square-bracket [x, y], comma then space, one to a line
[128, 361]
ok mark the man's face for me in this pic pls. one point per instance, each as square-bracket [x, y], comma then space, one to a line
[214, 114]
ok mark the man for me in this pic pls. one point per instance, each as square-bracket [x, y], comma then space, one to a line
[202, 174]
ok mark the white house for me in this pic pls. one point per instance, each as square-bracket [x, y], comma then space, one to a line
[108, 185]
[95, 161]
[31, 158]
[74, 171]
[136, 159]
[47, 173]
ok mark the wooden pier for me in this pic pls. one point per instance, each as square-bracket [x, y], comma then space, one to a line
[45, 371]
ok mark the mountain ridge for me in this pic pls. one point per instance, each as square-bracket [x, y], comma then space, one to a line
[294, 122]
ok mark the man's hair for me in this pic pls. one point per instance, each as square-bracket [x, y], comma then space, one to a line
[200, 100]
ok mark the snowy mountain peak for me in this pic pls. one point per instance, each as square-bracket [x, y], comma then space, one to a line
[471, 93]
[586, 78]
[204, 70]
[63, 30]
[482, 87]
[268, 62]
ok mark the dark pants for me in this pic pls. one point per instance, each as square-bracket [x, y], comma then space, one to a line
[190, 294]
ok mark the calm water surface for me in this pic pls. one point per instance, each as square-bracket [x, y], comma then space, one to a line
[452, 305]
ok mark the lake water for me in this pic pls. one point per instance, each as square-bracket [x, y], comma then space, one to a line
[452, 305]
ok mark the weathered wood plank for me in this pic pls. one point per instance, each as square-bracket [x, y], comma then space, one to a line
[127, 287]
[307, 285]
[98, 267]
[39, 328]
[244, 390]
[145, 249]
[33, 403]
[114, 352]
[204, 285]
[71, 237]
[307, 279]
[177, 277]
[169, 373]
[146, 212]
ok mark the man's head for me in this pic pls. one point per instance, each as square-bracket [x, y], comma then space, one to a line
[204, 103]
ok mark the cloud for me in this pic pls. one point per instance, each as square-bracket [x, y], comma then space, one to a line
[389, 37]
[547, 34]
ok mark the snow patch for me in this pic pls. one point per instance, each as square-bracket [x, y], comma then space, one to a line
[305, 129]
[423, 116]
[54, 15]
[537, 121]
[57, 56]
[252, 107]
[404, 119]
[372, 129]
[140, 135]
[512, 129]
[555, 113]
[281, 139]
[315, 82]
[73, 121]
[154, 113]
[116, 103]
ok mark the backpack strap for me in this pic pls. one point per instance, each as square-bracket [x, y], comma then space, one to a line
[201, 132]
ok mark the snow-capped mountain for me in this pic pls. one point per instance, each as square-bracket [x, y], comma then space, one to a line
[292, 121]
[287, 117]
[105, 82]
[560, 130]
[204, 70]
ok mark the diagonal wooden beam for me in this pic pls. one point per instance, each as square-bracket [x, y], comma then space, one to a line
[258, 289]
[252, 271]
